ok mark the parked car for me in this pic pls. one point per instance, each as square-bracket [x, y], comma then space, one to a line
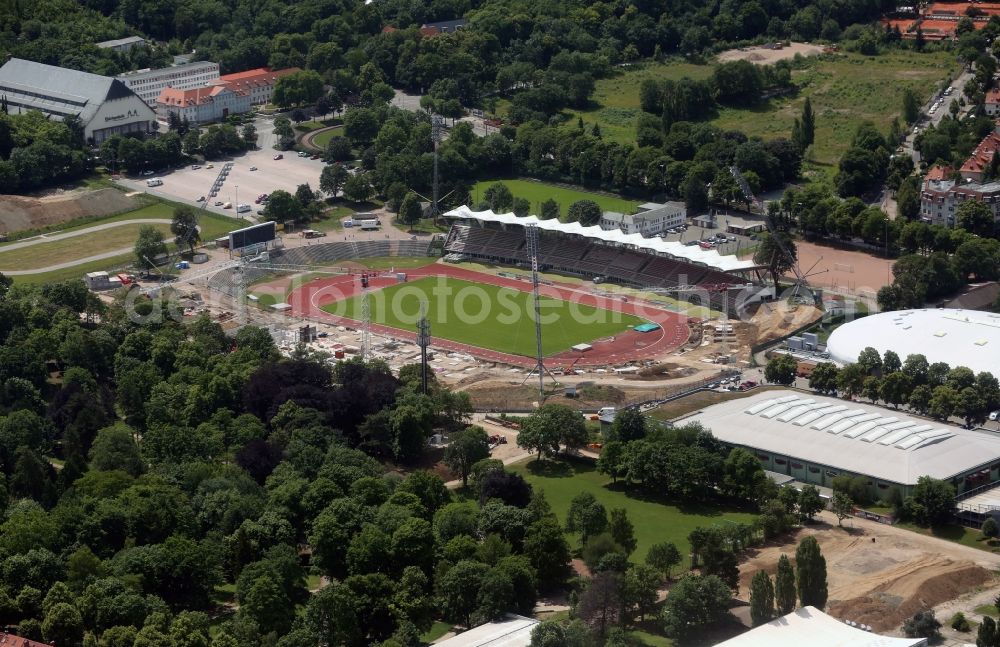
[279, 156]
[200, 199]
[219, 203]
[147, 173]
[253, 168]
[195, 167]
[994, 414]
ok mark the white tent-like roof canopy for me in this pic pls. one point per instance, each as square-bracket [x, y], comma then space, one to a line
[810, 626]
[673, 249]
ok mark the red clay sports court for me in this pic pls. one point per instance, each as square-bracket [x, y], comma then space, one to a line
[308, 300]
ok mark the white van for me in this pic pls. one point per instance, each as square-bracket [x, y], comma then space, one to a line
[154, 181]
[605, 412]
[242, 207]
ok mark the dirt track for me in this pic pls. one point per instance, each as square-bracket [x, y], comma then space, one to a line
[882, 583]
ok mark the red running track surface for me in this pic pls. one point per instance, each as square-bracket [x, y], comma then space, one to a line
[308, 300]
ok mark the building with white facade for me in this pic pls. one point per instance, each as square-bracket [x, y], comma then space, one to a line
[258, 83]
[105, 106]
[202, 105]
[941, 195]
[149, 83]
[122, 44]
[650, 219]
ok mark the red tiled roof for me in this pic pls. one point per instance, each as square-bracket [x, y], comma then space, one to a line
[388, 29]
[10, 640]
[256, 77]
[429, 31]
[192, 97]
[983, 155]
[993, 96]
[938, 172]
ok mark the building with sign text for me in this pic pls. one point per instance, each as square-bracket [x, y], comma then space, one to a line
[105, 106]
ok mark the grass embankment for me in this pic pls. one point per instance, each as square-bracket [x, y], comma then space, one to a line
[538, 192]
[845, 90]
[655, 521]
[487, 316]
[53, 252]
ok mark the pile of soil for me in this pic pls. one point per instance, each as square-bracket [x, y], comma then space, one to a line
[885, 610]
[664, 371]
[20, 212]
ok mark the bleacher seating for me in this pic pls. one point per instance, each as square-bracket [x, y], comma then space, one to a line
[580, 257]
[321, 254]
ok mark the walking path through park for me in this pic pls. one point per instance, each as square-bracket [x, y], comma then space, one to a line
[48, 238]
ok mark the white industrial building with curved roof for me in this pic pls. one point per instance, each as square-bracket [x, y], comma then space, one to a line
[968, 338]
[814, 439]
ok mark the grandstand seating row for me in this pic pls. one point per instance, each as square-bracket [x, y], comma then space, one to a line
[320, 254]
[581, 258]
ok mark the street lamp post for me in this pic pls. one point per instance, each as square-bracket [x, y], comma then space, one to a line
[238, 216]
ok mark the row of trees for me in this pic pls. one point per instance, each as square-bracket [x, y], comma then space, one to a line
[807, 582]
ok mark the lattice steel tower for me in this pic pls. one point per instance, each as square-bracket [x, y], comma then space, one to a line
[437, 136]
[531, 234]
[366, 325]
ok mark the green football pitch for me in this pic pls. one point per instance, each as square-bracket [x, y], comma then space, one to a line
[487, 316]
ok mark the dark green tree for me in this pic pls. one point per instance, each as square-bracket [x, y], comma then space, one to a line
[784, 586]
[810, 573]
[761, 598]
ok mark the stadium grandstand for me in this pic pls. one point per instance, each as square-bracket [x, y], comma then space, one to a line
[591, 252]
[322, 255]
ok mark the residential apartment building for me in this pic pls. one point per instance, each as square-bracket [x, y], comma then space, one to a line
[991, 104]
[650, 219]
[149, 83]
[202, 105]
[258, 83]
[942, 193]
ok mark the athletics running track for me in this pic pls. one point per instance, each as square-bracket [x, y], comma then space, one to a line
[308, 301]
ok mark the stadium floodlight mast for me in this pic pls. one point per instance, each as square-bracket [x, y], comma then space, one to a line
[531, 235]
[437, 136]
[366, 324]
[423, 340]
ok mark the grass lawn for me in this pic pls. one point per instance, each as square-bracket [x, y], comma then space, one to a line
[700, 400]
[397, 262]
[322, 139]
[845, 89]
[105, 240]
[486, 316]
[654, 521]
[987, 610]
[422, 226]
[615, 102]
[959, 534]
[436, 631]
[538, 192]
[644, 638]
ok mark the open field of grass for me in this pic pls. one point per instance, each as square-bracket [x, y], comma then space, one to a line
[487, 316]
[395, 262]
[845, 89]
[119, 237]
[322, 139]
[538, 192]
[654, 521]
[437, 630]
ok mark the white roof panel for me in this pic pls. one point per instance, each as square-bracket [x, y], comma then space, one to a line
[942, 451]
[810, 626]
[958, 337]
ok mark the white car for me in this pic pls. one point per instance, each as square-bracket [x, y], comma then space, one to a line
[994, 415]
[253, 168]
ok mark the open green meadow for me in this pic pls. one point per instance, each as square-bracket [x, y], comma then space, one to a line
[321, 140]
[538, 192]
[845, 89]
[654, 521]
[487, 316]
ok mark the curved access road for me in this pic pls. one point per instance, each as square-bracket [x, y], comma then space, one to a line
[47, 238]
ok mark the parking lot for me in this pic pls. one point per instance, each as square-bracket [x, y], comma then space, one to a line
[242, 185]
